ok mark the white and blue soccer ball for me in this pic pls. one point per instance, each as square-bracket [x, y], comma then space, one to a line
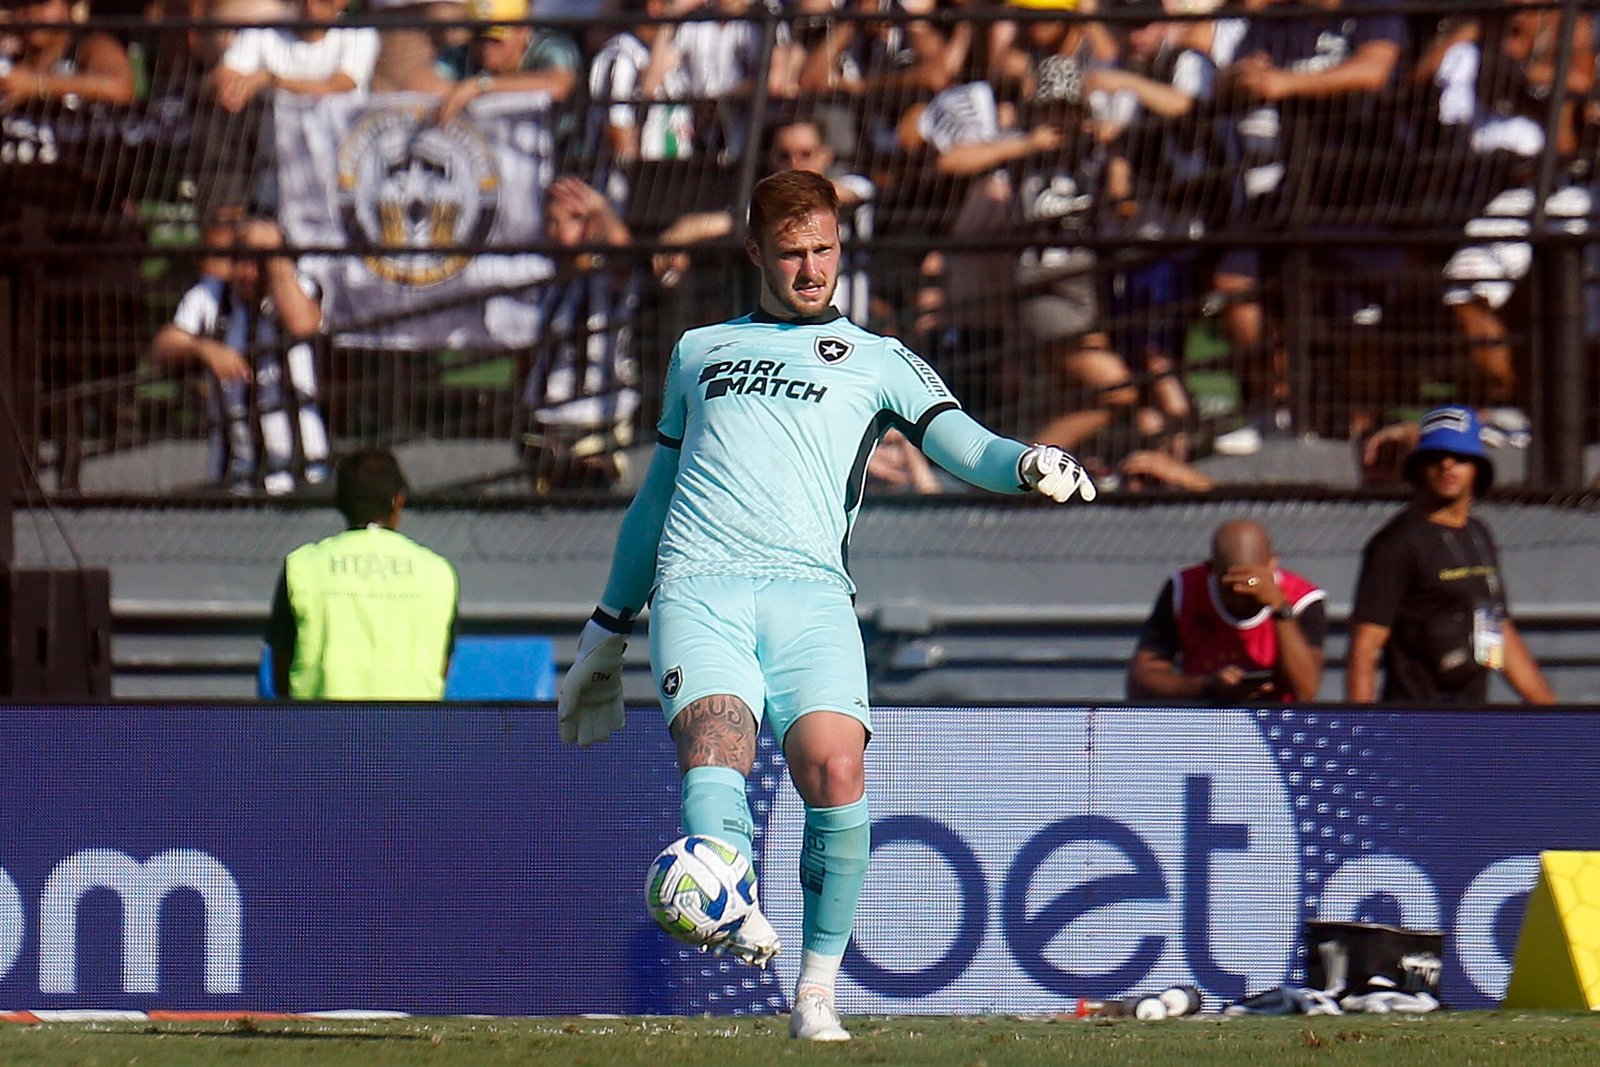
[699, 889]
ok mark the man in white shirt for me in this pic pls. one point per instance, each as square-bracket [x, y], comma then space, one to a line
[314, 61]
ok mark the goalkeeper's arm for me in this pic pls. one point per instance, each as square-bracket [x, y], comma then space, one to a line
[633, 562]
[961, 445]
[590, 701]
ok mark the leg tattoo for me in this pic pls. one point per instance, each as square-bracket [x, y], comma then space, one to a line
[716, 731]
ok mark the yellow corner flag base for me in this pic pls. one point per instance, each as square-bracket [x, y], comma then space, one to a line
[1557, 963]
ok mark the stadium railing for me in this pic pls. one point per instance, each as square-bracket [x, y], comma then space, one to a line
[428, 239]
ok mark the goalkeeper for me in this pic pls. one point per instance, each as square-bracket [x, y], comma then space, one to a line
[741, 530]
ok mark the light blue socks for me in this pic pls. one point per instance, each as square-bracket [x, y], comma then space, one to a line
[833, 868]
[715, 804]
[833, 859]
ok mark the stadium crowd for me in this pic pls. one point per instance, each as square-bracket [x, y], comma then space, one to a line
[1062, 203]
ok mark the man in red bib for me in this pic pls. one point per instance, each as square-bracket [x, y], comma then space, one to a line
[1235, 628]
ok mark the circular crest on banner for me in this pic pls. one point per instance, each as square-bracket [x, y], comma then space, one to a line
[405, 183]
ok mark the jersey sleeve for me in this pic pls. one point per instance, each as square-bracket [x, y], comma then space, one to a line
[197, 311]
[358, 54]
[910, 389]
[1159, 634]
[244, 55]
[674, 410]
[964, 447]
[633, 561]
[1313, 620]
[613, 83]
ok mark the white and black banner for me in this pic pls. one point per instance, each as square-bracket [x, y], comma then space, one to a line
[379, 172]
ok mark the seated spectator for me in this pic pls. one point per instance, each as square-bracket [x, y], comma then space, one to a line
[514, 58]
[217, 167]
[1317, 81]
[1158, 109]
[865, 58]
[319, 60]
[580, 380]
[415, 44]
[64, 174]
[797, 144]
[58, 63]
[1236, 628]
[250, 329]
[1039, 184]
[1048, 60]
[861, 75]
[1167, 176]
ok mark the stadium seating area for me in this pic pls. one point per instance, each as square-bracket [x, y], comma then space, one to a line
[1136, 231]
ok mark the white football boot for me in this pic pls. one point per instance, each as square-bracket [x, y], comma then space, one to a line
[814, 1017]
[753, 940]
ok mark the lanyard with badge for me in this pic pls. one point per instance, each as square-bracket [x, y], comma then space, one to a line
[1489, 616]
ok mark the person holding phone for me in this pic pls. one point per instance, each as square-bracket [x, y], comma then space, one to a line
[1235, 628]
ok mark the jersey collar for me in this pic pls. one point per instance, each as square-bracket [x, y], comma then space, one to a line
[821, 318]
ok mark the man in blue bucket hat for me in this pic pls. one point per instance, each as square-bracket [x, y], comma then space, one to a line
[1430, 604]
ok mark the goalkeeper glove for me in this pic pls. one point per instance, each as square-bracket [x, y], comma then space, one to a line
[1055, 474]
[590, 702]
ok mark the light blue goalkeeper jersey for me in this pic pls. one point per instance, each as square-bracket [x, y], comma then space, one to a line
[773, 423]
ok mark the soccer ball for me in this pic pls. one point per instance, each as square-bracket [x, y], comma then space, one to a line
[699, 888]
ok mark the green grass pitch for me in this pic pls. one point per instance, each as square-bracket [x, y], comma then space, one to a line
[1453, 1038]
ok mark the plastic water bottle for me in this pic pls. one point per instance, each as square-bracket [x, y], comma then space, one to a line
[1180, 1000]
[1171, 1003]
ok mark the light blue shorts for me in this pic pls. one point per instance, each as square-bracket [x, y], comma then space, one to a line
[784, 648]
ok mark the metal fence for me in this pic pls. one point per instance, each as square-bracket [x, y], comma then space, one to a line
[1137, 233]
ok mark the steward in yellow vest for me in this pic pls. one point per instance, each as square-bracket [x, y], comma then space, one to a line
[367, 614]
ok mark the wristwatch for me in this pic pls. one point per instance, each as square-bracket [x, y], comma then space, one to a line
[1284, 611]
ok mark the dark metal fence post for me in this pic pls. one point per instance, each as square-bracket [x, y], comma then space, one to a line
[758, 121]
[1559, 98]
[1563, 370]
[1558, 391]
[1299, 311]
[10, 430]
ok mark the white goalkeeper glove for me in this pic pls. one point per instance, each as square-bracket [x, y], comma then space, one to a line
[590, 702]
[1056, 474]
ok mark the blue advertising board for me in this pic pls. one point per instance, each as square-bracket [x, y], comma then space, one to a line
[458, 859]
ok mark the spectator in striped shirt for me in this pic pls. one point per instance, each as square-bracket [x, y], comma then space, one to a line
[721, 58]
[250, 328]
[640, 90]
